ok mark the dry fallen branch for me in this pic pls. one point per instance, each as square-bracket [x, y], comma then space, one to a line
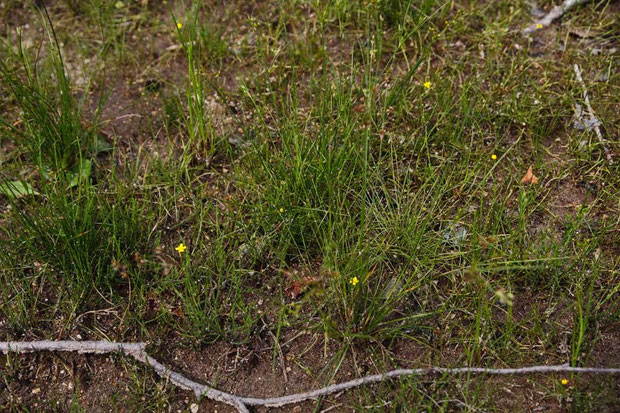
[556, 12]
[593, 121]
[137, 350]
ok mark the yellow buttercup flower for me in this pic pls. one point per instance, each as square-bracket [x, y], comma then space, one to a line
[428, 84]
[281, 210]
[181, 248]
[564, 382]
[353, 281]
[539, 26]
[179, 26]
[494, 157]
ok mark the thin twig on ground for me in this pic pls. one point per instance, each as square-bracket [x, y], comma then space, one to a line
[555, 13]
[593, 119]
[137, 351]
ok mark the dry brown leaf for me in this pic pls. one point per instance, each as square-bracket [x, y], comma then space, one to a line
[529, 177]
[297, 287]
[361, 108]
[486, 241]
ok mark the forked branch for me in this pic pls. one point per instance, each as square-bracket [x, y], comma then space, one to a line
[137, 351]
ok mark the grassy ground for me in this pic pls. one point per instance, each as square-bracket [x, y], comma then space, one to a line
[345, 177]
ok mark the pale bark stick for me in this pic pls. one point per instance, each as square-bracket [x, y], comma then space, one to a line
[555, 13]
[593, 119]
[137, 350]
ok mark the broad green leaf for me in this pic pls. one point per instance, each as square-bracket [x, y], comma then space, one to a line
[101, 145]
[45, 172]
[82, 172]
[16, 189]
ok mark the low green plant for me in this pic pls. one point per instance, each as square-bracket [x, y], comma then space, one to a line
[201, 46]
[83, 236]
[51, 125]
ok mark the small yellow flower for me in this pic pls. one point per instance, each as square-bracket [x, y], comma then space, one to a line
[281, 210]
[428, 84]
[179, 26]
[181, 248]
[564, 382]
[494, 157]
[353, 281]
[539, 26]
